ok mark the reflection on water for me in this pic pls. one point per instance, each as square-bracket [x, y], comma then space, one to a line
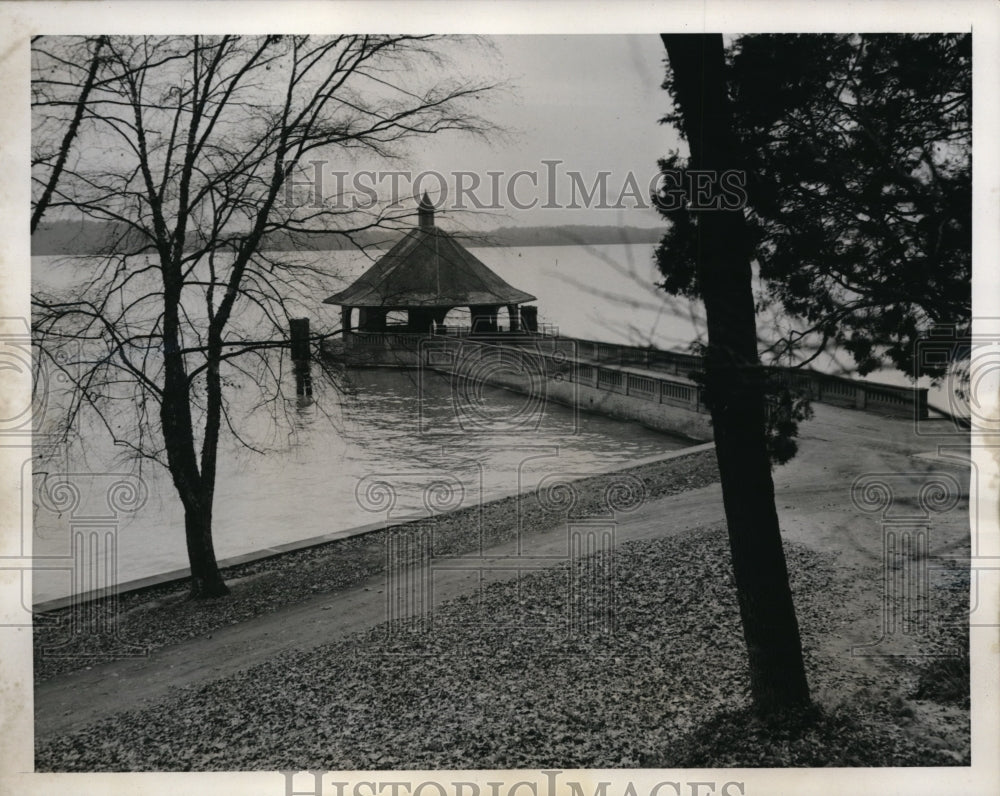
[392, 445]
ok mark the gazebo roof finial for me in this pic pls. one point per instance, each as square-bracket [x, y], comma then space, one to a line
[425, 212]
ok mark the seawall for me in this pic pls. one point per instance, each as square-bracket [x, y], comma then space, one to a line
[549, 369]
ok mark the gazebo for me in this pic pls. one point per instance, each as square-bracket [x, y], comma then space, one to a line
[425, 275]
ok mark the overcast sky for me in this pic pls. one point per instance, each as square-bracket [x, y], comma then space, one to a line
[572, 115]
[591, 102]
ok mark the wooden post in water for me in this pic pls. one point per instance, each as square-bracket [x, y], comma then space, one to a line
[299, 333]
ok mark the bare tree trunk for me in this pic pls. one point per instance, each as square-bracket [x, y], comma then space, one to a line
[195, 489]
[206, 580]
[734, 382]
[178, 433]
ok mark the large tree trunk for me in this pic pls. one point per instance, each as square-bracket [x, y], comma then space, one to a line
[734, 386]
[178, 437]
[206, 580]
[178, 433]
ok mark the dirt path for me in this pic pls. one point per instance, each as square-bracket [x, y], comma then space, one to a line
[813, 501]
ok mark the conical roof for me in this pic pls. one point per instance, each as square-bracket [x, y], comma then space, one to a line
[428, 268]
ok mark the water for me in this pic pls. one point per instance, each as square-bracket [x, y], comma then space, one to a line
[385, 446]
[328, 464]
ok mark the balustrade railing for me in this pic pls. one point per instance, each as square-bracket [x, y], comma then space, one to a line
[598, 365]
[821, 387]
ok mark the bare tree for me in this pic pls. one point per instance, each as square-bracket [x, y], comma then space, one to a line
[184, 150]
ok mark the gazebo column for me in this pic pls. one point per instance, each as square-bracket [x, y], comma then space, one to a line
[512, 310]
[371, 319]
[345, 321]
[439, 314]
[419, 319]
[530, 317]
[484, 317]
[364, 319]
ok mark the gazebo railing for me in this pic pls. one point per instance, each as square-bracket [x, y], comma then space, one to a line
[385, 340]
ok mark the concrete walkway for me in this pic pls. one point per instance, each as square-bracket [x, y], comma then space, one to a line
[812, 497]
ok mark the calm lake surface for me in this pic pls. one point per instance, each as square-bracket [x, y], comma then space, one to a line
[383, 426]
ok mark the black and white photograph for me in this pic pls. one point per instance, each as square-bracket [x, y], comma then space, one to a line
[484, 399]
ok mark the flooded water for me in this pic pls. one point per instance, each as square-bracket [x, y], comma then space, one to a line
[395, 447]
[384, 445]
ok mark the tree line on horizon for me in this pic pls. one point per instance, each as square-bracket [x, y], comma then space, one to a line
[88, 238]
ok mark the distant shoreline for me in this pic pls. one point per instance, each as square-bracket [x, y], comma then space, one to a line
[87, 238]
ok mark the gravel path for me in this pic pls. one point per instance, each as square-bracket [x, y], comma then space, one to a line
[500, 683]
